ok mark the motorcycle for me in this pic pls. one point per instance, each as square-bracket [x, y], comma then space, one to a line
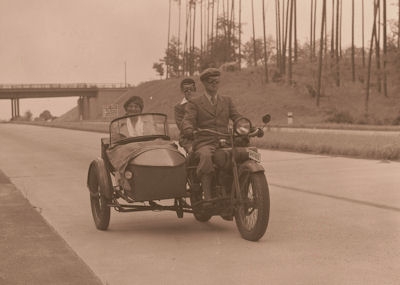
[135, 171]
[239, 186]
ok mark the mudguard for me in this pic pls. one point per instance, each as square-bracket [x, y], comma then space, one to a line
[250, 166]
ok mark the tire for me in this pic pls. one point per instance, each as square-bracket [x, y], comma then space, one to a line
[252, 220]
[202, 217]
[198, 213]
[99, 182]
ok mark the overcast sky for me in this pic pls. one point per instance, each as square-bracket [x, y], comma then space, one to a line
[70, 41]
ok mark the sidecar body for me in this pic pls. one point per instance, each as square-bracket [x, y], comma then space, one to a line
[139, 163]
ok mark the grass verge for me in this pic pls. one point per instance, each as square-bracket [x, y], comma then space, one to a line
[376, 146]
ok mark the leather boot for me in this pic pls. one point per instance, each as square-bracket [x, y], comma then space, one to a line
[206, 182]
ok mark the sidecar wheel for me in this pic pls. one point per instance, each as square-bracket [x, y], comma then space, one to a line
[253, 214]
[202, 217]
[99, 182]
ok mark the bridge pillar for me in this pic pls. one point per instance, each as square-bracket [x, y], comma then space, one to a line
[15, 108]
[85, 108]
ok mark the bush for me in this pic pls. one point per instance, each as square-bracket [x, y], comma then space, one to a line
[341, 117]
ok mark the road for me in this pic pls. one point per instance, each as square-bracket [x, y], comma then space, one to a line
[333, 220]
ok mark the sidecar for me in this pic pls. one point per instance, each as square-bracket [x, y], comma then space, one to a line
[139, 166]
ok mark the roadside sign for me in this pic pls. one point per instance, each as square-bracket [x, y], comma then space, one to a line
[110, 111]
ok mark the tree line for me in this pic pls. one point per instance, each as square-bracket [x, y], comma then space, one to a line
[217, 26]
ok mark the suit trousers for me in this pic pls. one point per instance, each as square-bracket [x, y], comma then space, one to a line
[205, 154]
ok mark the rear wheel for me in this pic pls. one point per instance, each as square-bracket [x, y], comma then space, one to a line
[252, 215]
[99, 183]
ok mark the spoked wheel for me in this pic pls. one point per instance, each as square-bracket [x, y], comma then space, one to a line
[99, 182]
[252, 215]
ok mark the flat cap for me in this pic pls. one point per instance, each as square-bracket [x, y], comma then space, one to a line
[209, 72]
[187, 80]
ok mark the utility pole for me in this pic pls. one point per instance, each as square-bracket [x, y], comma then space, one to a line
[125, 72]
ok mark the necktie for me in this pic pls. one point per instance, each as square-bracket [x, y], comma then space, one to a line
[213, 100]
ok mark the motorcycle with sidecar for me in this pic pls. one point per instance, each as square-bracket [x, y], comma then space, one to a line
[142, 169]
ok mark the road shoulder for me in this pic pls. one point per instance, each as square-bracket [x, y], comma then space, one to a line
[31, 251]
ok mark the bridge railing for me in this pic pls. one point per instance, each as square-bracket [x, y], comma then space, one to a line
[64, 85]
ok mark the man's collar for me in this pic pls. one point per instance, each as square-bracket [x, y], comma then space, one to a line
[209, 96]
[184, 101]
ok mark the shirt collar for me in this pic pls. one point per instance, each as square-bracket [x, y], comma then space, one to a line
[209, 97]
[184, 101]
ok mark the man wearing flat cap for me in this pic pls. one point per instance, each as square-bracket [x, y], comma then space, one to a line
[208, 111]
[188, 87]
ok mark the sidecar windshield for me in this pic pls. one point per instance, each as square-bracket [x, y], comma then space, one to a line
[139, 127]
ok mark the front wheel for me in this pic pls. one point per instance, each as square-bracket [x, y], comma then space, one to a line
[99, 182]
[252, 214]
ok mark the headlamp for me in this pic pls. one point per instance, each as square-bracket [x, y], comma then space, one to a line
[242, 126]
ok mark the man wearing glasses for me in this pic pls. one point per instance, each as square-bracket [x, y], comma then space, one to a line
[188, 87]
[208, 111]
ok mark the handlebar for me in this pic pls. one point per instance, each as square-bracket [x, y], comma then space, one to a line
[258, 132]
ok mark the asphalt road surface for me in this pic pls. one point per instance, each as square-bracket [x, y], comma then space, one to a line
[333, 220]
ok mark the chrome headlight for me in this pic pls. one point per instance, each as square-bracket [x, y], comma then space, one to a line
[242, 126]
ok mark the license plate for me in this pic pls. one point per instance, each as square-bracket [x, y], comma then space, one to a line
[254, 155]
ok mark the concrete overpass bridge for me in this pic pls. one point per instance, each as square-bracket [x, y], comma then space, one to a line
[88, 94]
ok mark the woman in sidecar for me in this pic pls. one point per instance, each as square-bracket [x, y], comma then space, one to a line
[139, 164]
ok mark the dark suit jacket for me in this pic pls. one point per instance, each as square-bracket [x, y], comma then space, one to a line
[179, 113]
[199, 113]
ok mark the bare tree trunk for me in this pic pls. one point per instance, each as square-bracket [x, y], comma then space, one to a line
[311, 30]
[193, 38]
[233, 48]
[240, 34]
[185, 49]
[295, 30]
[212, 24]
[278, 34]
[315, 24]
[378, 47]
[363, 34]
[353, 68]
[254, 35]
[169, 30]
[340, 28]
[265, 45]
[290, 43]
[384, 50]
[201, 29]
[320, 51]
[333, 32]
[179, 34]
[285, 38]
[370, 60]
[337, 44]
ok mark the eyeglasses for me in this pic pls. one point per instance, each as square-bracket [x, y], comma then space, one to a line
[212, 81]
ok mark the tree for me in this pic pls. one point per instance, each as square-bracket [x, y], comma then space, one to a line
[248, 50]
[159, 68]
[353, 68]
[46, 116]
[373, 35]
[28, 116]
[320, 50]
[172, 59]
[265, 44]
